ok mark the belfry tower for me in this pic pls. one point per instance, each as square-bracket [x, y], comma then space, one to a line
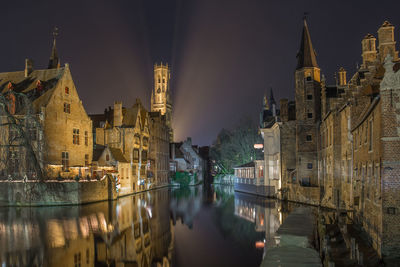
[161, 94]
[308, 110]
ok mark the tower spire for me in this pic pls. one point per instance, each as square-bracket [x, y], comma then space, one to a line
[271, 97]
[306, 56]
[54, 61]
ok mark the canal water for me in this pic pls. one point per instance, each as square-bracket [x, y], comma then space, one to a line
[193, 226]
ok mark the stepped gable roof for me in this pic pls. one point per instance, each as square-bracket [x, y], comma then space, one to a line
[178, 152]
[306, 56]
[38, 85]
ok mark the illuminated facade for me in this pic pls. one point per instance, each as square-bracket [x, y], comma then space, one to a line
[128, 130]
[47, 131]
[161, 94]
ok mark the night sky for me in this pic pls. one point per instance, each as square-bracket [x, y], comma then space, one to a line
[225, 54]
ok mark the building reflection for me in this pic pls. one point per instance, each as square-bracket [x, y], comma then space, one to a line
[185, 204]
[133, 231]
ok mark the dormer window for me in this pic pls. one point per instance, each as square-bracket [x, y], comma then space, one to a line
[39, 85]
[66, 90]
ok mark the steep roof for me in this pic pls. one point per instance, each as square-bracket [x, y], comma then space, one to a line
[306, 56]
[130, 116]
[38, 85]
[117, 155]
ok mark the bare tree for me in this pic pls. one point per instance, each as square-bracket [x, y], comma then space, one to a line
[22, 139]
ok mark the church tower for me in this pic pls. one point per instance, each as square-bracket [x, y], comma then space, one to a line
[161, 94]
[308, 110]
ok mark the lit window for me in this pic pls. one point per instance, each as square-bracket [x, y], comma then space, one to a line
[75, 136]
[66, 90]
[107, 157]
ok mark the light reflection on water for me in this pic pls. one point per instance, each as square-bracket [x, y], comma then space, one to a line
[166, 227]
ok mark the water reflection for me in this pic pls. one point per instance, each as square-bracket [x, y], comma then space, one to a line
[169, 227]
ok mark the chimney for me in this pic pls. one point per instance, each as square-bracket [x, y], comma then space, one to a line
[368, 49]
[387, 44]
[342, 77]
[117, 114]
[28, 67]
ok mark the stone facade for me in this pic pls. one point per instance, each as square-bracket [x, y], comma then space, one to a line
[128, 130]
[159, 149]
[347, 140]
[47, 123]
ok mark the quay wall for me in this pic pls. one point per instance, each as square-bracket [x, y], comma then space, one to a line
[33, 193]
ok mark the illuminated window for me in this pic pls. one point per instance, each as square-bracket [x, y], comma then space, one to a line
[107, 157]
[65, 160]
[75, 136]
[66, 90]
[67, 108]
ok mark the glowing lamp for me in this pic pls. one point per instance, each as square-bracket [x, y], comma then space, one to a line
[258, 146]
[260, 244]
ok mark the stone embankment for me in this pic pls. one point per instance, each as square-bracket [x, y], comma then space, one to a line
[294, 245]
[43, 193]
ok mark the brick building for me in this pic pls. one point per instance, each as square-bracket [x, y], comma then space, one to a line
[347, 139]
[159, 149]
